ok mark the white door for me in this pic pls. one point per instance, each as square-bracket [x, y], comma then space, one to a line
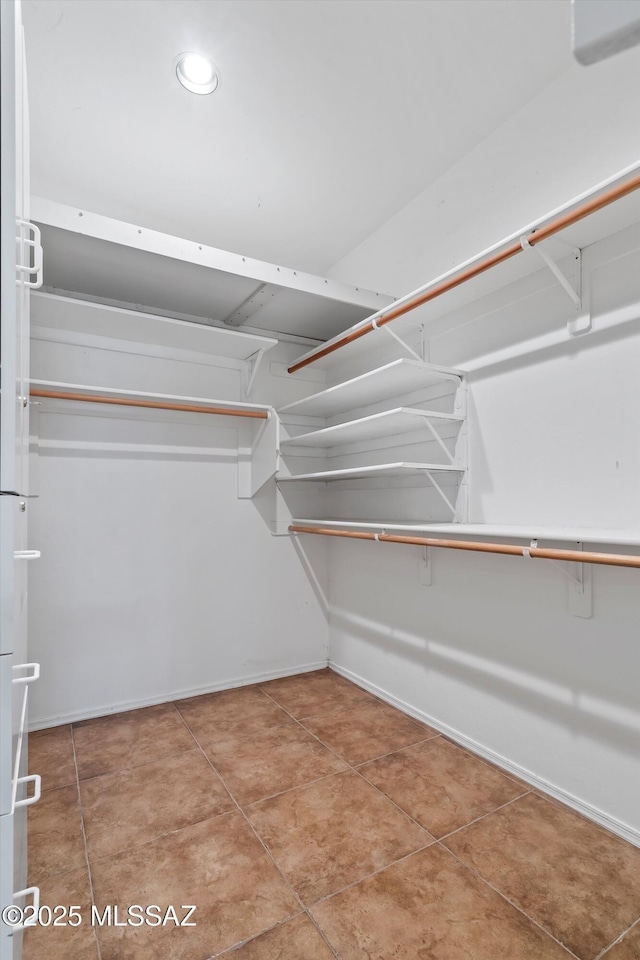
[20, 255]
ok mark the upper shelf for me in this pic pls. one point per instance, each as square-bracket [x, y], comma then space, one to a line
[92, 255]
[385, 424]
[392, 380]
[440, 313]
[83, 316]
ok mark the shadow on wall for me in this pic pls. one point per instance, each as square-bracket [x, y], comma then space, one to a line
[579, 712]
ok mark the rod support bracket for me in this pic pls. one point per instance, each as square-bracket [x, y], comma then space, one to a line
[424, 568]
[579, 576]
[578, 293]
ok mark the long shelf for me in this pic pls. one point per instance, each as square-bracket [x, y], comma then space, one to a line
[86, 317]
[385, 424]
[378, 470]
[257, 410]
[468, 281]
[392, 380]
[525, 531]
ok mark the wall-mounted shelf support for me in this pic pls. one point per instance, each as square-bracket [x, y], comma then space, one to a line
[249, 372]
[424, 569]
[574, 295]
[581, 322]
[579, 576]
[436, 436]
[405, 346]
[443, 495]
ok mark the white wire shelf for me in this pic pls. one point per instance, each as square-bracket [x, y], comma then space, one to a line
[392, 380]
[383, 470]
[610, 535]
[385, 424]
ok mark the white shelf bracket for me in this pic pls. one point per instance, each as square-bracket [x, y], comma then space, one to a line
[403, 343]
[581, 322]
[579, 586]
[443, 495]
[436, 436]
[250, 370]
[424, 569]
[425, 347]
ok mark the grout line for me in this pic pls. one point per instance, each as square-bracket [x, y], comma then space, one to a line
[355, 769]
[383, 756]
[343, 706]
[305, 910]
[298, 786]
[241, 943]
[368, 876]
[445, 836]
[136, 766]
[504, 897]
[242, 736]
[482, 879]
[159, 836]
[84, 838]
[263, 845]
[362, 777]
[618, 939]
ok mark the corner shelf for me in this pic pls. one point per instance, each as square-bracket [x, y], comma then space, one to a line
[391, 380]
[380, 470]
[388, 423]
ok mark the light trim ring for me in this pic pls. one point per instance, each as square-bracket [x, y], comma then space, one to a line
[196, 73]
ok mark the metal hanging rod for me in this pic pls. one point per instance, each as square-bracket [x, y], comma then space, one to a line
[512, 549]
[431, 291]
[153, 404]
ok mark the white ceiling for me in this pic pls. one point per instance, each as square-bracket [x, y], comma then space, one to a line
[330, 114]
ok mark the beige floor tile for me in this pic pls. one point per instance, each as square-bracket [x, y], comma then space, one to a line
[577, 881]
[367, 730]
[333, 832]
[127, 739]
[56, 843]
[442, 786]
[217, 865]
[310, 694]
[68, 942]
[140, 804]
[430, 906]
[51, 755]
[296, 939]
[271, 762]
[231, 713]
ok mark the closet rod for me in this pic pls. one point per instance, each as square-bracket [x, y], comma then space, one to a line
[431, 291]
[482, 546]
[153, 404]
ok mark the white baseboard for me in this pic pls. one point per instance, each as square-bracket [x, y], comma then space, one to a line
[75, 716]
[591, 813]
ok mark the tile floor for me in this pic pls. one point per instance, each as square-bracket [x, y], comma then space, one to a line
[306, 820]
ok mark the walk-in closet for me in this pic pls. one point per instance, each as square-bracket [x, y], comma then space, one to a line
[320, 475]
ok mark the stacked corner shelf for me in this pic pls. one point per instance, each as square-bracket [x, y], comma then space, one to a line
[373, 435]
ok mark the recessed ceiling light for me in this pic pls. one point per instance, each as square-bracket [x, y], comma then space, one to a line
[196, 73]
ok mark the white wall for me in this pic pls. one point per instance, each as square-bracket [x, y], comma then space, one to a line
[155, 580]
[490, 652]
[578, 131]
